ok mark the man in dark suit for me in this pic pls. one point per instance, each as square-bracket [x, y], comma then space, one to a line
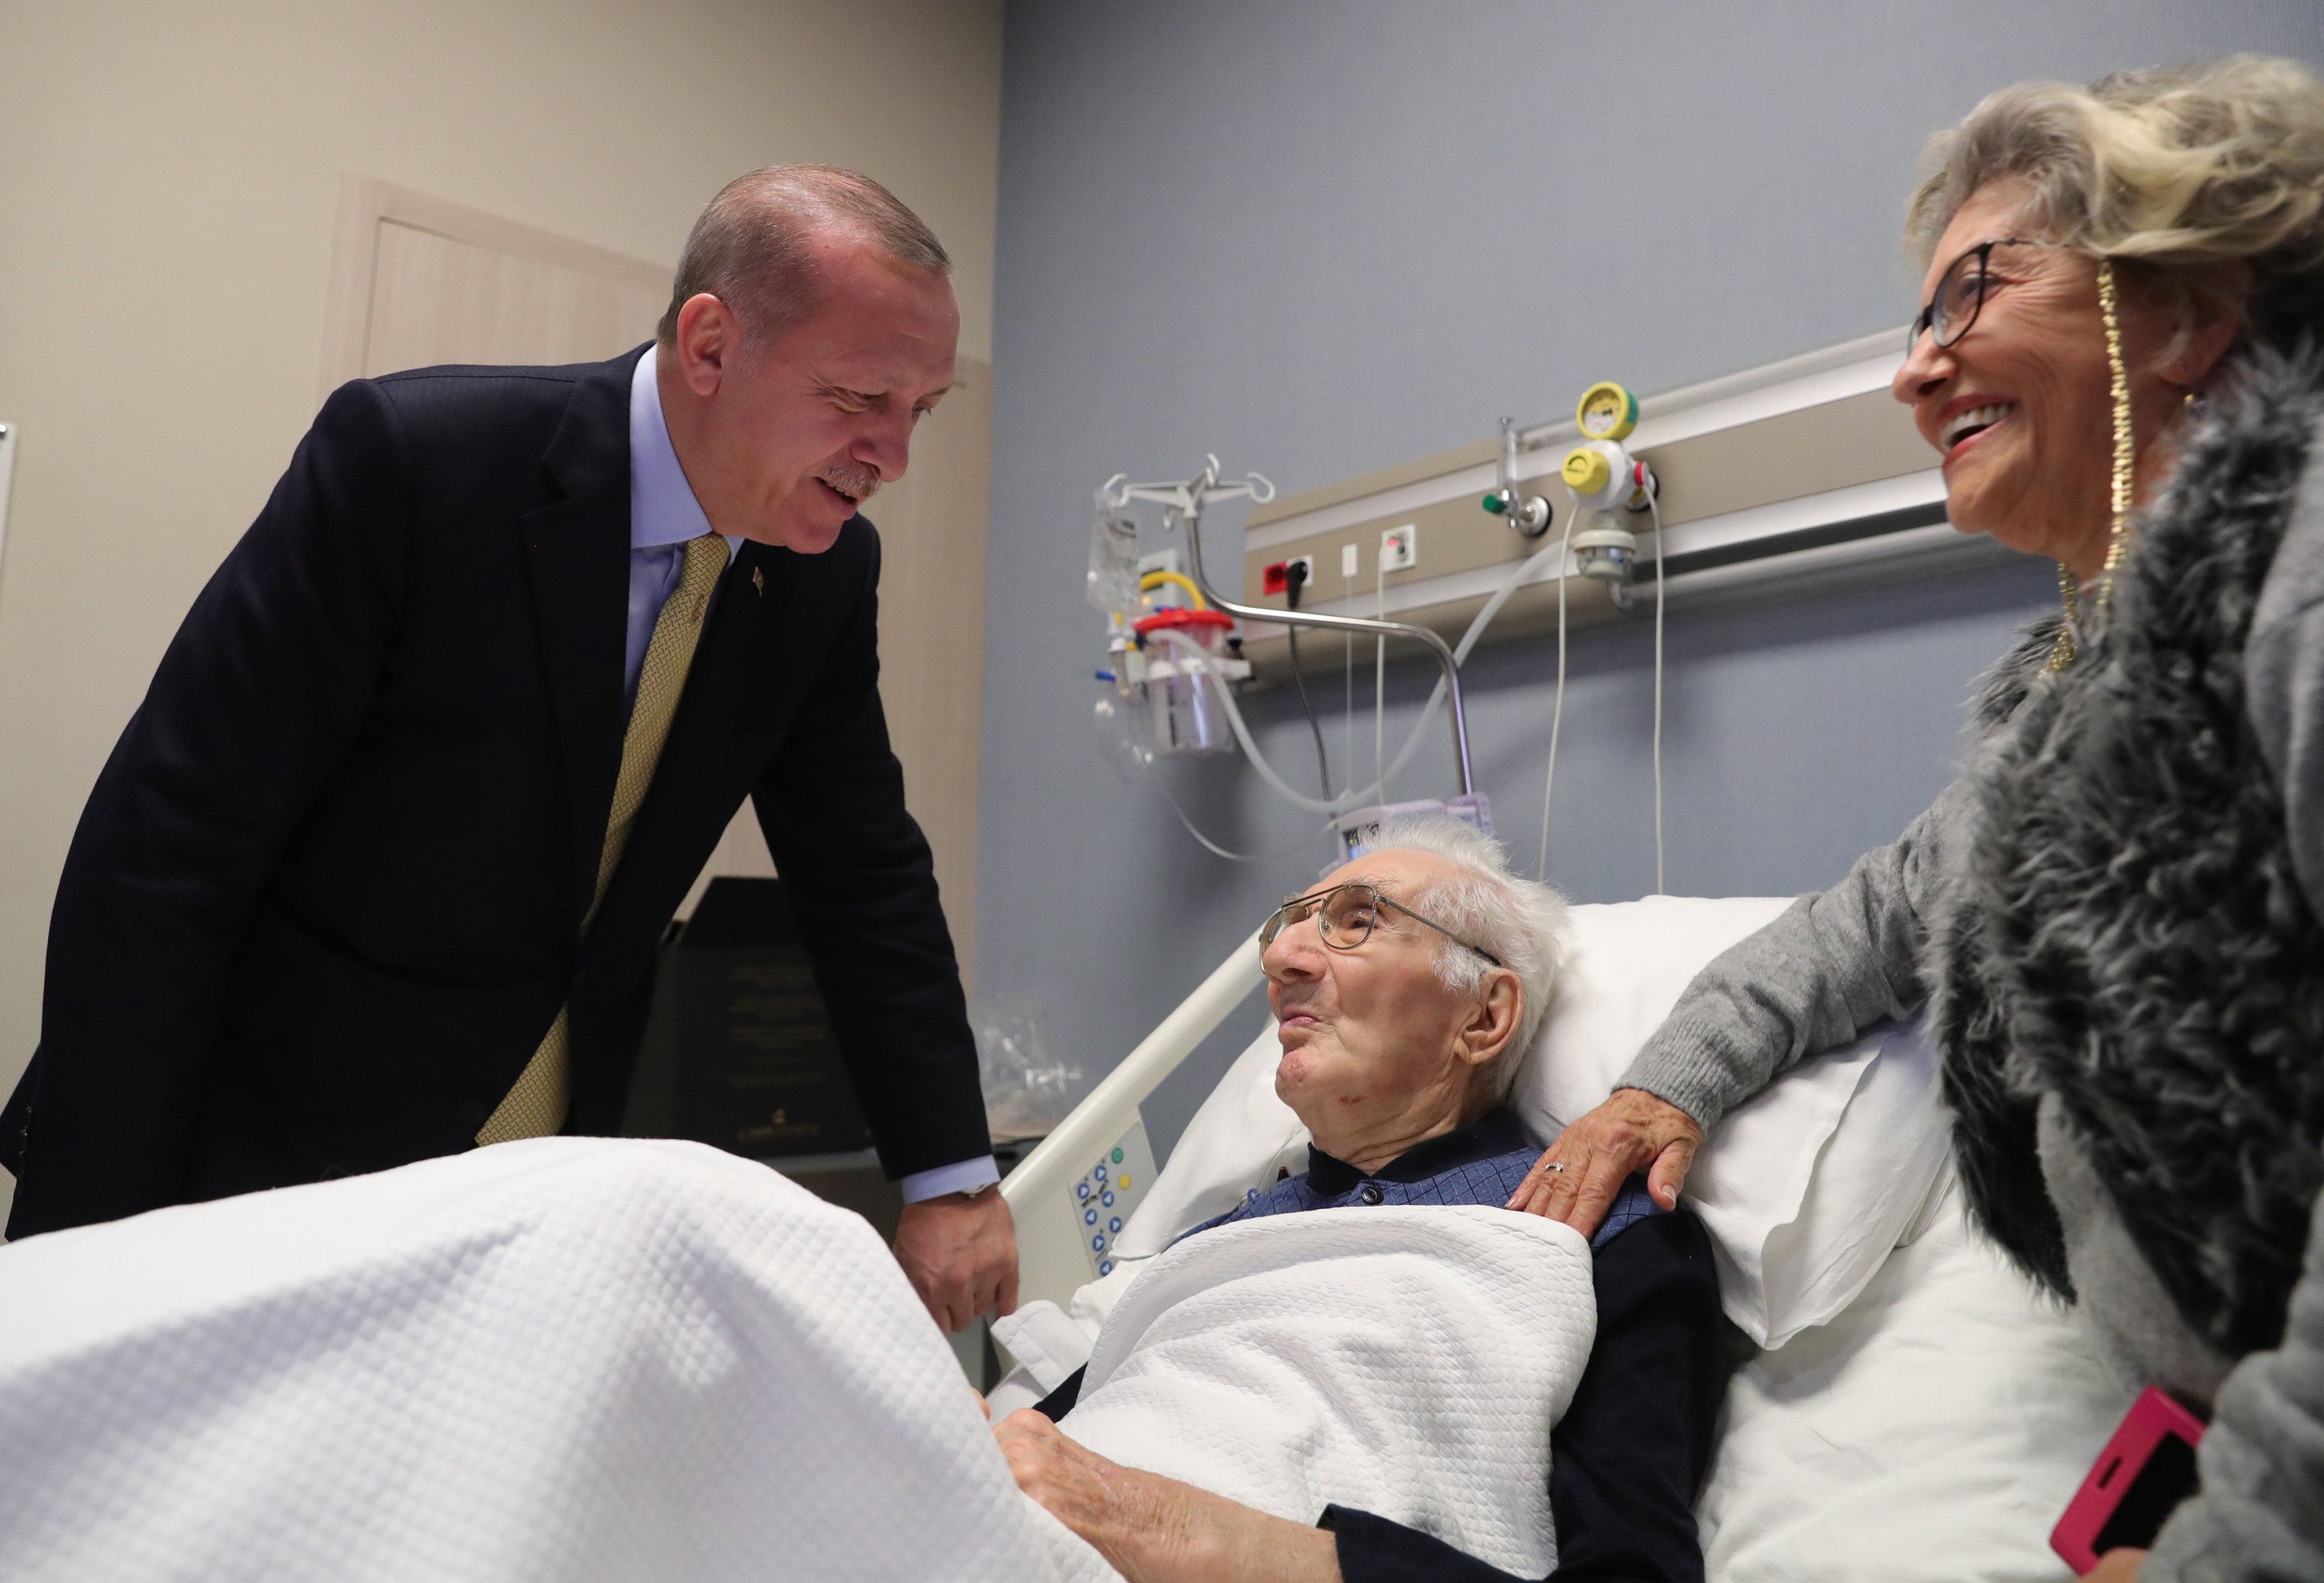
[377, 871]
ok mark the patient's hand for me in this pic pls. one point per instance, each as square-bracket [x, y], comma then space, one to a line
[1600, 1151]
[1156, 1530]
[961, 1254]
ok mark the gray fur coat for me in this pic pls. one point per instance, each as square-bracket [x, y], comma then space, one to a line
[2129, 943]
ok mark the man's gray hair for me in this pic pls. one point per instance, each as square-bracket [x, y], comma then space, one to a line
[750, 249]
[1489, 905]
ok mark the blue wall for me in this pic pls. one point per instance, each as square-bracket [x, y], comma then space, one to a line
[1324, 238]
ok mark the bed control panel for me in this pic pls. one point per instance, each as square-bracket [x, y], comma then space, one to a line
[1109, 1187]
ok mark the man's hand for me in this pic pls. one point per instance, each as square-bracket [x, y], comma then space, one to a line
[1156, 1530]
[1576, 1179]
[1128, 1517]
[961, 1254]
[2117, 1566]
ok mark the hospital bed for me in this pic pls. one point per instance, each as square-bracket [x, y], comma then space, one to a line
[1914, 1408]
[631, 1358]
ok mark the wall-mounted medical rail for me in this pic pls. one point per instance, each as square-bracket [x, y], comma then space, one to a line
[1804, 473]
[1183, 503]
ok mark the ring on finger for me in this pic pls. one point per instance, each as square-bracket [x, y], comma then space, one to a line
[1556, 1165]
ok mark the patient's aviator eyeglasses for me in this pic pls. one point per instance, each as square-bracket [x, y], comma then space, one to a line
[1344, 916]
[1961, 294]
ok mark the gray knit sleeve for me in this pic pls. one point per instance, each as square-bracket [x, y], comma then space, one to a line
[1829, 966]
[2260, 1513]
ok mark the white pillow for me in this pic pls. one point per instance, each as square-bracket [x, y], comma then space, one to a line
[1934, 1431]
[1801, 1208]
[1804, 1189]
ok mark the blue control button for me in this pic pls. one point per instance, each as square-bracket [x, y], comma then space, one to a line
[1097, 1245]
[1114, 1226]
[1100, 1171]
[1106, 1198]
[1089, 1217]
[1081, 1189]
[1252, 1197]
[1105, 1266]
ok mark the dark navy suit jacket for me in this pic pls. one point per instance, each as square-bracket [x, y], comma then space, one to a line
[327, 894]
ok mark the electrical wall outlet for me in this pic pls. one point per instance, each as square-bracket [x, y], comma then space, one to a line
[1277, 577]
[1399, 547]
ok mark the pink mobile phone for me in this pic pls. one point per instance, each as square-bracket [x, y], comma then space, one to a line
[2147, 1469]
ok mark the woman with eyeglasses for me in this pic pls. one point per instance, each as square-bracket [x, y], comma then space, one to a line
[2113, 917]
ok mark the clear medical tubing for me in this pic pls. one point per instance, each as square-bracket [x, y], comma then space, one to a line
[1450, 681]
[1192, 655]
[1556, 710]
[1460, 654]
[1468, 642]
[1661, 582]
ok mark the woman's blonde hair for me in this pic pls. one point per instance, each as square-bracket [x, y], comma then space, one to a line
[2182, 169]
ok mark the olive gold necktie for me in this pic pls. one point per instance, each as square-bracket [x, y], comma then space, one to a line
[535, 1106]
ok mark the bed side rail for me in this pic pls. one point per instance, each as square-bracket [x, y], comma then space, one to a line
[1053, 1251]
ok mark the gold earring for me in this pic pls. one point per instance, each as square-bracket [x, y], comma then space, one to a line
[2067, 648]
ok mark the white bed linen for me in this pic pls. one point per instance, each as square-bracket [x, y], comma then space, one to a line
[1933, 1432]
[555, 1360]
[1407, 1360]
[1805, 1187]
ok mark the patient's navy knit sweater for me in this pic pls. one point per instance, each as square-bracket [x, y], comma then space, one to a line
[1634, 1445]
[1479, 1164]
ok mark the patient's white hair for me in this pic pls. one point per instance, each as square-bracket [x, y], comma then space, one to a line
[1519, 920]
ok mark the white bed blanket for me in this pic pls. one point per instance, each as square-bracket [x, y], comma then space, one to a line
[557, 1360]
[1410, 1361]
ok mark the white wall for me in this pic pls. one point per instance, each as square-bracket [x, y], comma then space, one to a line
[167, 191]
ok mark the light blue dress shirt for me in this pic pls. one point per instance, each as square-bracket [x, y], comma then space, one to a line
[663, 515]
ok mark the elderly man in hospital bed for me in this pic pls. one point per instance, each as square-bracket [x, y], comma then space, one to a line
[620, 1359]
[1405, 989]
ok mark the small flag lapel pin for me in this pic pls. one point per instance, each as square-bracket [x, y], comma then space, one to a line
[759, 581]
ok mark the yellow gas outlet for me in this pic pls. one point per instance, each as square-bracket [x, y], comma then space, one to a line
[1586, 472]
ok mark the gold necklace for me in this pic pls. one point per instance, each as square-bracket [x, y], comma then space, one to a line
[2067, 648]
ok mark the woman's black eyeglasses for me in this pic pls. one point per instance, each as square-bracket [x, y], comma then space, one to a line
[1961, 293]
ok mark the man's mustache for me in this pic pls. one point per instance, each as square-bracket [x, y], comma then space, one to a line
[853, 479]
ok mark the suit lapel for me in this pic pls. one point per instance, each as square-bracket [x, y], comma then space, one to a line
[577, 552]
